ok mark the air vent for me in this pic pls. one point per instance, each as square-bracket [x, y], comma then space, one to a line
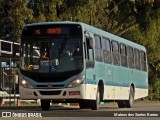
[50, 92]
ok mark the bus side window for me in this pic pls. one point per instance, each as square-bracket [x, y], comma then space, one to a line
[123, 56]
[98, 48]
[115, 53]
[130, 55]
[143, 61]
[137, 59]
[106, 50]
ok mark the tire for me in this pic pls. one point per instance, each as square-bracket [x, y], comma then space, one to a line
[95, 104]
[84, 104]
[45, 104]
[121, 104]
[129, 103]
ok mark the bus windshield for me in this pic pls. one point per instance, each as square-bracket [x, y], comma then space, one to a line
[51, 55]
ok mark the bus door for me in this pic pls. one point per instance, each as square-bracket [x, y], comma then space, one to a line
[90, 72]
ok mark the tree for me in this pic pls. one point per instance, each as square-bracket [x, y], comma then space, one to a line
[43, 10]
[14, 14]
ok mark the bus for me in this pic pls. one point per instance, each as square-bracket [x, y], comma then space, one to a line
[79, 63]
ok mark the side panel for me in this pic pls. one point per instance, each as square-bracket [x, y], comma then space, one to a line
[121, 83]
[136, 79]
[116, 81]
[124, 93]
[91, 84]
[140, 93]
[91, 90]
[108, 81]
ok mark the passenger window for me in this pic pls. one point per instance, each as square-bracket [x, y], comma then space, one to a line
[130, 55]
[143, 61]
[123, 53]
[106, 50]
[115, 53]
[137, 59]
[98, 48]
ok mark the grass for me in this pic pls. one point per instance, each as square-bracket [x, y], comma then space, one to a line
[22, 103]
[35, 103]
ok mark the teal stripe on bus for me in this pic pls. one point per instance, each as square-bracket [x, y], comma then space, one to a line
[108, 83]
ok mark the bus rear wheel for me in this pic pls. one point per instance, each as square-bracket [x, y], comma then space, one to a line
[121, 104]
[129, 103]
[45, 104]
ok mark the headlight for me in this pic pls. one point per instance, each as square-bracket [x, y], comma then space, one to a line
[26, 84]
[76, 82]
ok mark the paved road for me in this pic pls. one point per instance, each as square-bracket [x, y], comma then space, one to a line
[139, 110]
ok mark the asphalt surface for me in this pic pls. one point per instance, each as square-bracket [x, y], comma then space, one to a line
[141, 110]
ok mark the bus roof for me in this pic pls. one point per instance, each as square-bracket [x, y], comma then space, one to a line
[113, 37]
[96, 31]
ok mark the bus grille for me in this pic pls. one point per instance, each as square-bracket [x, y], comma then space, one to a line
[52, 86]
[50, 92]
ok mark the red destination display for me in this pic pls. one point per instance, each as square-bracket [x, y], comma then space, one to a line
[54, 31]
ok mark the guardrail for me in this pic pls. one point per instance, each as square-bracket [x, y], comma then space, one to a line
[10, 96]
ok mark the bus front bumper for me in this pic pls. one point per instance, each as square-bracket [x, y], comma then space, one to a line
[52, 94]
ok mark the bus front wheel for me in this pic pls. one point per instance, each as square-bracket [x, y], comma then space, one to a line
[45, 104]
[95, 104]
[84, 104]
